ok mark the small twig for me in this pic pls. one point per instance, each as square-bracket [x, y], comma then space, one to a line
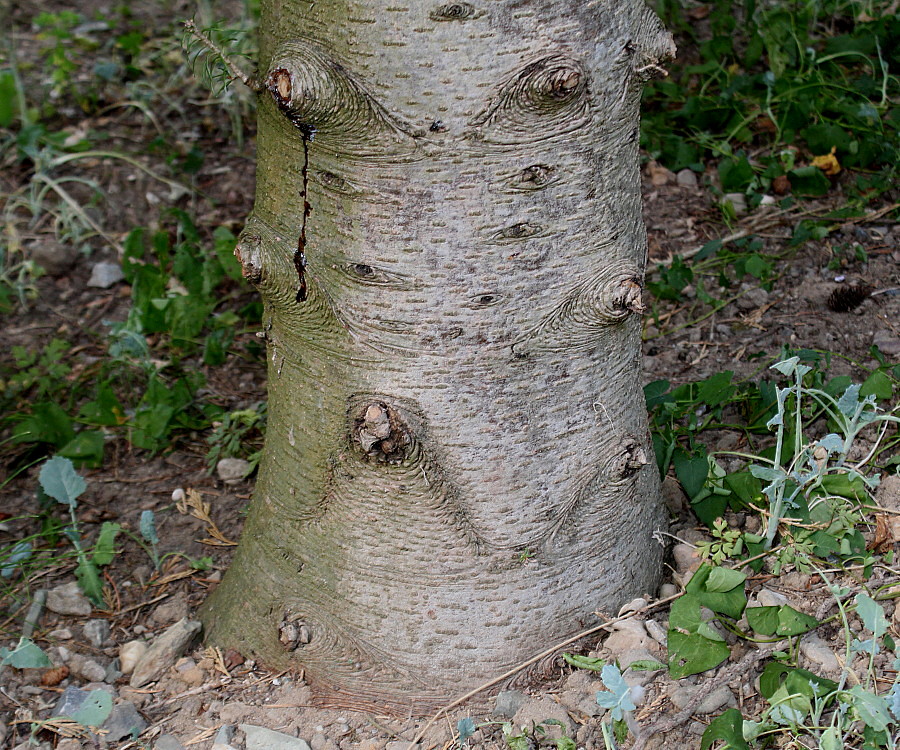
[249, 81]
[534, 659]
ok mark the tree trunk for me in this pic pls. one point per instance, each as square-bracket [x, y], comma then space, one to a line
[448, 240]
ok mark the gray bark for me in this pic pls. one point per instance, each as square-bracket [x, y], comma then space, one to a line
[448, 241]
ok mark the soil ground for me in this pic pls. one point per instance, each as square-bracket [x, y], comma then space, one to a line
[205, 689]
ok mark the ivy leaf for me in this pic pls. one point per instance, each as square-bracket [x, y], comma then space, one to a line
[728, 728]
[60, 481]
[781, 620]
[692, 645]
[713, 595]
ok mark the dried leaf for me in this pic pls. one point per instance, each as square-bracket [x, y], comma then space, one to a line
[192, 504]
[828, 163]
[52, 677]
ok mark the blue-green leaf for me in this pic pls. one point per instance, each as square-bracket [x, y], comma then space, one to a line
[148, 527]
[59, 480]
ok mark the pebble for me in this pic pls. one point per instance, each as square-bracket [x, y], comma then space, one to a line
[718, 698]
[54, 257]
[768, 598]
[130, 654]
[69, 743]
[667, 590]
[686, 558]
[124, 721]
[657, 632]
[402, 745]
[89, 669]
[818, 652]
[752, 299]
[104, 275]
[68, 600]
[223, 737]
[171, 611]
[63, 634]
[674, 496]
[634, 605]
[627, 636]
[164, 651]
[96, 631]
[738, 202]
[232, 470]
[507, 703]
[260, 738]
[887, 343]
[686, 178]
[168, 742]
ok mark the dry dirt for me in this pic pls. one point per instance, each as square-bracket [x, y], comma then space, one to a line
[205, 690]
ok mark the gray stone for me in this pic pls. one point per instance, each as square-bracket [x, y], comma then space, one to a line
[167, 742]
[887, 343]
[768, 598]
[634, 605]
[738, 202]
[70, 701]
[232, 470]
[507, 703]
[686, 178]
[124, 721]
[171, 611]
[223, 737]
[401, 745]
[89, 669]
[657, 632]
[96, 631]
[260, 738]
[104, 275]
[54, 257]
[68, 600]
[819, 653]
[535, 710]
[69, 744]
[752, 299]
[686, 558]
[164, 652]
[715, 700]
[667, 590]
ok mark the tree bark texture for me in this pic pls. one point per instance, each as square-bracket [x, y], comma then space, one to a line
[448, 240]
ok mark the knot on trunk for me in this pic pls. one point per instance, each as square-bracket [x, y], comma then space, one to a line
[293, 632]
[323, 100]
[248, 251]
[543, 100]
[586, 313]
[629, 460]
[381, 434]
[455, 12]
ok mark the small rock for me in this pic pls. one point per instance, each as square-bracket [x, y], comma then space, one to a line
[659, 175]
[819, 653]
[768, 598]
[887, 343]
[686, 178]
[164, 651]
[372, 744]
[130, 654]
[104, 275]
[738, 202]
[223, 738]
[674, 496]
[402, 745]
[657, 632]
[89, 669]
[63, 634]
[69, 744]
[718, 698]
[635, 605]
[171, 611]
[68, 600]
[70, 701]
[124, 721]
[96, 631]
[752, 299]
[535, 710]
[686, 558]
[627, 636]
[667, 590]
[232, 470]
[132, 695]
[507, 703]
[54, 257]
[318, 741]
[168, 742]
[260, 738]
